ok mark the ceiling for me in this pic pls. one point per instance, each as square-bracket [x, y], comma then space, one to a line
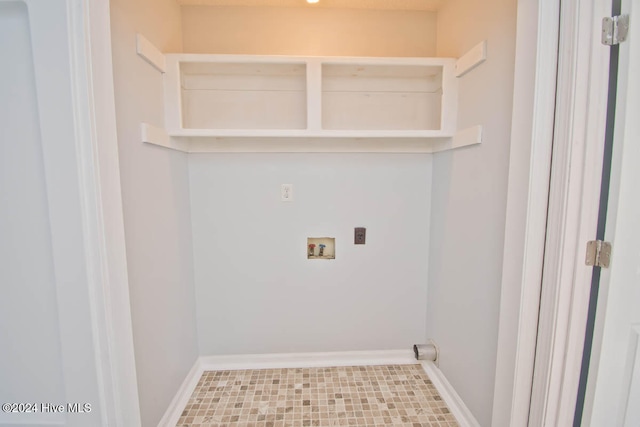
[428, 5]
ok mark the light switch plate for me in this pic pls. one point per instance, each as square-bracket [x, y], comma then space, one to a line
[286, 192]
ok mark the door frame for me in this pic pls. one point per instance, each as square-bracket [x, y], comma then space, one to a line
[555, 289]
[532, 132]
[574, 203]
[101, 204]
[613, 362]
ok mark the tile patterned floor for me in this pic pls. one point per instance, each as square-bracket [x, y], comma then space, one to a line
[393, 395]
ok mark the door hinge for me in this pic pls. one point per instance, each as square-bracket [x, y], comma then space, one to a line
[615, 29]
[598, 253]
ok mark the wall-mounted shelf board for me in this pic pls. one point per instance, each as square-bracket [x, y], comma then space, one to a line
[199, 142]
[243, 103]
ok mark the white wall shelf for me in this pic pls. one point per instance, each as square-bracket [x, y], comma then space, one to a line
[202, 141]
[248, 103]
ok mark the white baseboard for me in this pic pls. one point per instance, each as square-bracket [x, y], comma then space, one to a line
[27, 423]
[307, 360]
[314, 360]
[457, 407]
[180, 400]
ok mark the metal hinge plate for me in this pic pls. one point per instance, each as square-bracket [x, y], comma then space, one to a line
[615, 29]
[598, 253]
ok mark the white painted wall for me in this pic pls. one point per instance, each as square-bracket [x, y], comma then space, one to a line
[30, 358]
[468, 206]
[156, 210]
[308, 31]
[257, 292]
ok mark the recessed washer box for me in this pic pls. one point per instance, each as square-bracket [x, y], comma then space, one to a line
[321, 248]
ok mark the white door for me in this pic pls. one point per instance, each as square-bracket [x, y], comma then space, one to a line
[613, 387]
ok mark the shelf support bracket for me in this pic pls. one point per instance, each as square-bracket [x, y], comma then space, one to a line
[469, 136]
[158, 136]
[147, 51]
[470, 60]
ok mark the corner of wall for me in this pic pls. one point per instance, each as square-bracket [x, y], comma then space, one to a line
[469, 202]
[156, 209]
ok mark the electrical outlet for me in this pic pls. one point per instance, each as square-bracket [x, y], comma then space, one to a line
[360, 236]
[286, 192]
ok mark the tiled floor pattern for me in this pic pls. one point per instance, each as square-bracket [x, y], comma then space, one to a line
[393, 395]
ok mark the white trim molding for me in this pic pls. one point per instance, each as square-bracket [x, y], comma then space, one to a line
[101, 206]
[455, 403]
[612, 394]
[573, 211]
[109, 214]
[308, 360]
[180, 400]
[526, 217]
